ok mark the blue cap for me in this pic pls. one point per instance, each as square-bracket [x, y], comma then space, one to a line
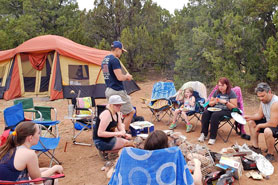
[118, 44]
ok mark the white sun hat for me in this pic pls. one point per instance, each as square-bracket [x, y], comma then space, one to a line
[115, 99]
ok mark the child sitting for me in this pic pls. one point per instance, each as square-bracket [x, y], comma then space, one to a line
[188, 105]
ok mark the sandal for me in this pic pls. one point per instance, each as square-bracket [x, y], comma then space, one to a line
[189, 127]
[172, 126]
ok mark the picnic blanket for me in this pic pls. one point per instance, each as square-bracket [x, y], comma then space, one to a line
[163, 166]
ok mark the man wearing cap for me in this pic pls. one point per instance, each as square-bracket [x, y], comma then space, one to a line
[265, 120]
[114, 77]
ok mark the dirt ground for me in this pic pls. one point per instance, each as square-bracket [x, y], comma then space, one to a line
[82, 165]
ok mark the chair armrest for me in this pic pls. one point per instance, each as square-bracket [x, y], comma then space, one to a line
[34, 111]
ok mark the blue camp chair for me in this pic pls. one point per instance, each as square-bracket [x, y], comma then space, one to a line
[49, 138]
[196, 113]
[160, 103]
[162, 166]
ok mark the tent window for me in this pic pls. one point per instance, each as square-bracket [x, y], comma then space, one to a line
[79, 74]
[2, 72]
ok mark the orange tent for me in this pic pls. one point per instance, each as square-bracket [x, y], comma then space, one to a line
[55, 66]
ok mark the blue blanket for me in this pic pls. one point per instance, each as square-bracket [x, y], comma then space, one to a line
[164, 166]
[163, 90]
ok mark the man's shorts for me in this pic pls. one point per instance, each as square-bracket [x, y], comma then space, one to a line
[103, 146]
[273, 129]
[127, 107]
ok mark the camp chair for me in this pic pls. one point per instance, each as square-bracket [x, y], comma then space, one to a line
[84, 116]
[163, 166]
[196, 113]
[51, 178]
[227, 119]
[160, 103]
[49, 138]
[42, 113]
[276, 142]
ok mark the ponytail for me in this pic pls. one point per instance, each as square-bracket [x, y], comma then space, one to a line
[17, 138]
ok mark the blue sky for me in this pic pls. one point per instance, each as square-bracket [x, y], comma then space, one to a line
[170, 5]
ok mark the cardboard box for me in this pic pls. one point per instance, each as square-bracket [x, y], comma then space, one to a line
[139, 127]
[234, 163]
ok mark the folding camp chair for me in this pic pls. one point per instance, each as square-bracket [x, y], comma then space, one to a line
[51, 178]
[28, 106]
[163, 166]
[228, 120]
[276, 142]
[49, 138]
[160, 103]
[196, 113]
[84, 116]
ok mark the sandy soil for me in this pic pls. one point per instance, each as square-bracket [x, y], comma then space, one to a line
[82, 165]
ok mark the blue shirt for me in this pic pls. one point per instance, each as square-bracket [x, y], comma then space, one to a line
[109, 64]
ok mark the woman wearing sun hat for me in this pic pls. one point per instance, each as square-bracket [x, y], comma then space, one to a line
[109, 131]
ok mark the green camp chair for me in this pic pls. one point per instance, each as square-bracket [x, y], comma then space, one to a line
[42, 113]
[28, 106]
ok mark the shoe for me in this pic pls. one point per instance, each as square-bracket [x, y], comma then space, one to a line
[202, 138]
[211, 141]
[245, 136]
[189, 127]
[270, 157]
[255, 149]
[103, 155]
[172, 126]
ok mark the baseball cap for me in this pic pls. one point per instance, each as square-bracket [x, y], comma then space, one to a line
[118, 44]
[115, 99]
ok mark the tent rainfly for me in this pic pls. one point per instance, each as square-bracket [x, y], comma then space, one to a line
[54, 66]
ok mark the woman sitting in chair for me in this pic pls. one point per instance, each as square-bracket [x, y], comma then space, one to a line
[17, 160]
[109, 131]
[223, 100]
[159, 140]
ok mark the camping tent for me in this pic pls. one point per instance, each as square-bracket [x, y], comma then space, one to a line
[54, 66]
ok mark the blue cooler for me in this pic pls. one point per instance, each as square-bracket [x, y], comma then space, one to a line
[139, 127]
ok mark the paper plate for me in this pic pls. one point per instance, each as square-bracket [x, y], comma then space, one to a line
[82, 115]
[214, 109]
[239, 118]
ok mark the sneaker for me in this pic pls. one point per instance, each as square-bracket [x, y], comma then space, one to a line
[211, 141]
[202, 138]
[255, 149]
[270, 157]
[172, 126]
[189, 127]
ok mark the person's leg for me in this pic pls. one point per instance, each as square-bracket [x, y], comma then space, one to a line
[121, 142]
[128, 119]
[184, 116]
[216, 117]
[176, 113]
[269, 139]
[254, 135]
[205, 122]
[197, 175]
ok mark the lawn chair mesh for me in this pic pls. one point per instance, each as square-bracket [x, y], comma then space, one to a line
[49, 138]
[196, 113]
[82, 107]
[228, 120]
[163, 166]
[51, 178]
[160, 103]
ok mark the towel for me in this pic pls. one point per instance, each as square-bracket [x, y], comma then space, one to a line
[163, 166]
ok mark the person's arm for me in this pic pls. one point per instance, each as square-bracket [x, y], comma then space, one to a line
[258, 116]
[32, 164]
[197, 175]
[46, 172]
[230, 104]
[105, 119]
[213, 101]
[273, 122]
[121, 77]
